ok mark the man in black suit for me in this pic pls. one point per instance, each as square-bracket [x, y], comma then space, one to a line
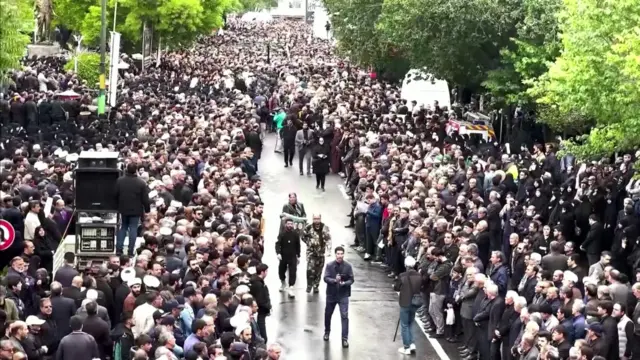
[592, 243]
[66, 272]
[223, 320]
[527, 286]
[63, 309]
[98, 328]
[74, 291]
[487, 320]
[556, 260]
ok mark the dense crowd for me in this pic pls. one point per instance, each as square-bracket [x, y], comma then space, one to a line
[512, 254]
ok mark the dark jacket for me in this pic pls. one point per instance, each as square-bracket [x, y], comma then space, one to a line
[288, 244]
[98, 328]
[222, 321]
[78, 346]
[74, 294]
[440, 277]
[132, 196]
[335, 290]
[500, 277]
[65, 275]
[288, 134]
[553, 262]
[592, 243]
[408, 284]
[260, 293]
[123, 341]
[63, 309]
[610, 337]
[488, 318]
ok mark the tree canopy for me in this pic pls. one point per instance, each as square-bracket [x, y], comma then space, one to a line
[177, 22]
[16, 18]
[575, 62]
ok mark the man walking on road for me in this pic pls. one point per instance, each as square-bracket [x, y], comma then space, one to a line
[288, 135]
[288, 250]
[304, 139]
[318, 241]
[339, 277]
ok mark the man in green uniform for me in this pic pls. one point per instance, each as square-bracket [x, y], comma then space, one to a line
[318, 240]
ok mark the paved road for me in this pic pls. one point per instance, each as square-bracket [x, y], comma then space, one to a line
[298, 324]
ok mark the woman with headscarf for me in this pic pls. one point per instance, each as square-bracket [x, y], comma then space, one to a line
[45, 247]
[321, 161]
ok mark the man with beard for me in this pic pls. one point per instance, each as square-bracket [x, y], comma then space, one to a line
[136, 287]
[318, 240]
[288, 250]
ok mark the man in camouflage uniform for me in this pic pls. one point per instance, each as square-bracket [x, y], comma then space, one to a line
[318, 240]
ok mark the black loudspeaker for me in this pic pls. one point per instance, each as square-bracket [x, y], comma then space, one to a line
[98, 160]
[95, 189]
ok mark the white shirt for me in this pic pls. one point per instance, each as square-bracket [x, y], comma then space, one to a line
[143, 319]
[31, 222]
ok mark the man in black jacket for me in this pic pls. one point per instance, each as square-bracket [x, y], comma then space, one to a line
[501, 332]
[132, 196]
[260, 293]
[487, 320]
[64, 308]
[223, 320]
[98, 328]
[592, 243]
[288, 134]
[288, 250]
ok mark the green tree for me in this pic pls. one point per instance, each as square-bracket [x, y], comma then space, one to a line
[528, 54]
[596, 75]
[16, 17]
[354, 26]
[88, 67]
[177, 22]
[458, 40]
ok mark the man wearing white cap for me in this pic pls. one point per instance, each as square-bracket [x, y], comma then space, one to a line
[135, 285]
[31, 343]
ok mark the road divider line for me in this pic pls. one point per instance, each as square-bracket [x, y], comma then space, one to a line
[434, 342]
[343, 191]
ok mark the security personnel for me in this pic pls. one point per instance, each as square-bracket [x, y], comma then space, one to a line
[318, 241]
[288, 250]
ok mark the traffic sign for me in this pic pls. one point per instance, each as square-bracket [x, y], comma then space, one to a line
[8, 234]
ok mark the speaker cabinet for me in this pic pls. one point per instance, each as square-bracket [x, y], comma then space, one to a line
[98, 160]
[95, 189]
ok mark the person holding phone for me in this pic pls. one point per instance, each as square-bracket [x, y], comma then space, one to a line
[338, 275]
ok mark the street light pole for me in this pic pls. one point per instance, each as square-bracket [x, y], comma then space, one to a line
[102, 99]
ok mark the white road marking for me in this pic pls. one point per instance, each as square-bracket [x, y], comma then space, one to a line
[343, 191]
[434, 342]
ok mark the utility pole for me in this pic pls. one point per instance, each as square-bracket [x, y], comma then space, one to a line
[102, 98]
[306, 11]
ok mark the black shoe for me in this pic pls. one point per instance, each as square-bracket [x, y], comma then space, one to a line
[462, 347]
[437, 336]
[345, 343]
[453, 340]
[349, 226]
[285, 165]
[301, 173]
[309, 289]
[323, 190]
[316, 290]
[464, 353]
[326, 337]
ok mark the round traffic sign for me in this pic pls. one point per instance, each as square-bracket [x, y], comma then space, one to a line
[8, 234]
